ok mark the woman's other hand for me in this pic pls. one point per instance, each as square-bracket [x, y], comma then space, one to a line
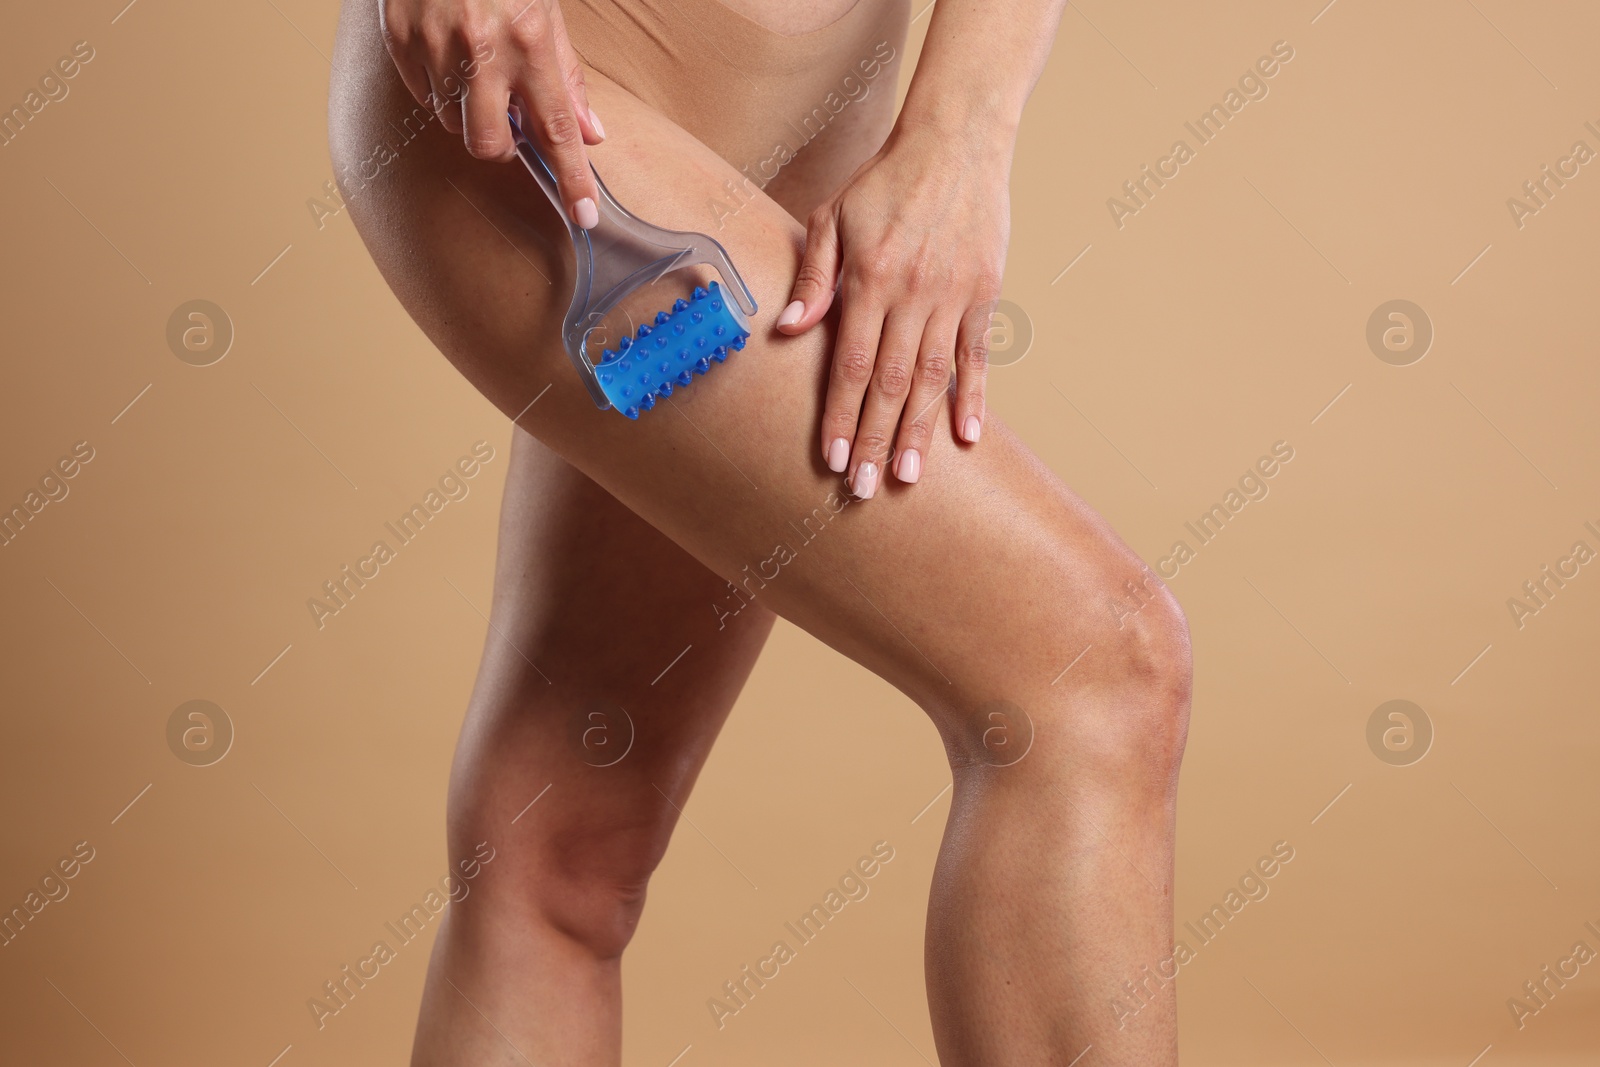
[463, 59]
[915, 243]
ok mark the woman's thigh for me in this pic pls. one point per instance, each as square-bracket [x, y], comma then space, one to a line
[979, 583]
[568, 551]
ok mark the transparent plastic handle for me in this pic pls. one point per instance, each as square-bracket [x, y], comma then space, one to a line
[619, 255]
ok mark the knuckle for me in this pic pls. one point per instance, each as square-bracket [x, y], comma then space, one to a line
[575, 177]
[560, 127]
[398, 29]
[881, 265]
[853, 363]
[986, 286]
[975, 355]
[530, 32]
[474, 33]
[917, 428]
[934, 369]
[874, 271]
[431, 32]
[872, 442]
[892, 377]
[811, 275]
[484, 145]
[921, 271]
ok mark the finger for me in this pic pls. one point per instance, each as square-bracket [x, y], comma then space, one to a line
[443, 105]
[487, 133]
[399, 38]
[854, 354]
[556, 123]
[892, 376]
[415, 76]
[929, 384]
[818, 276]
[972, 366]
[572, 72]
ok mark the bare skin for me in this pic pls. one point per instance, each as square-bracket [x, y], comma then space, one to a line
[978, 584]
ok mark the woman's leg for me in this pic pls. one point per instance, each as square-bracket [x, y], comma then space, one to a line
[569, 553]
[578, 746]
[987, 582]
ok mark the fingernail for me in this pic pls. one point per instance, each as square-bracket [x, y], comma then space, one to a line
[971, 429]
[909, 466]
[866, 481]
[791, 315]
[585, 215]
[838, 455]
[594, 120]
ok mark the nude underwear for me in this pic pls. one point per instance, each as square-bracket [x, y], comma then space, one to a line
[752, 95]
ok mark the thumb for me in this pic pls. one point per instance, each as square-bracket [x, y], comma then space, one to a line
[818, 275]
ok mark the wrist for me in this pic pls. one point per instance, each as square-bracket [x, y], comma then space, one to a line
[981, 125]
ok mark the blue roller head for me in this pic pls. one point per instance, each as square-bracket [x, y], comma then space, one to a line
[702, 330]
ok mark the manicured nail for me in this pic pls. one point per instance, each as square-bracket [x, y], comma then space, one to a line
[585, 215]
[791, 315]
[971, 429]
[866, 481]
[838, 455]
[909, 466]
[594, 120]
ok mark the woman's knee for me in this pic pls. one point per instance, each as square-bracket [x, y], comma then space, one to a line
[1144, 722]
[597, 875]
[1103, 686]
[567, 792]
[581, 864]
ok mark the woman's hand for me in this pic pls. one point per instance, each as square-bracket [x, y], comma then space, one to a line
[915, 243]
[463, 59]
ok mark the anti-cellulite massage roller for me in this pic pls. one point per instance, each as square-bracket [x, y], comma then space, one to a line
[622, 254]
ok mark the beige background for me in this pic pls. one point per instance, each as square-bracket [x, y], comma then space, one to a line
[1223, 317]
